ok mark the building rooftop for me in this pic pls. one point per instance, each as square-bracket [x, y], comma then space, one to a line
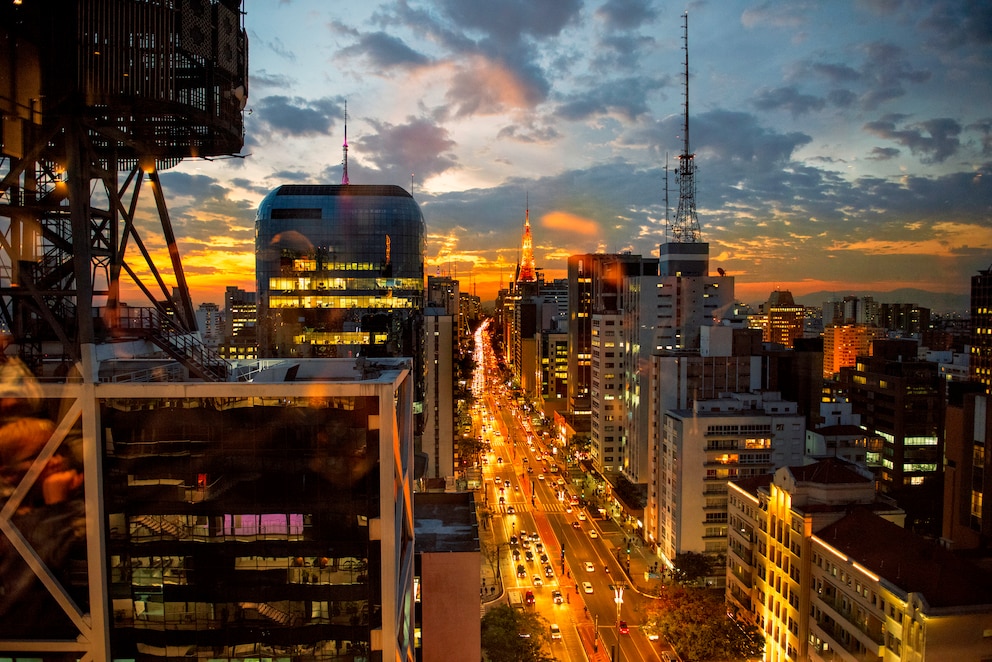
[445, 522]
[829, 470]
[842, 431]
[907, 560]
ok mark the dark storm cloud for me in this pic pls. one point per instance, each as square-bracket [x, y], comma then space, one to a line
[264, 79]
[386, 51]
[625, 96]
[789, 99]
[883, 154]
[626, 14]
[984, 129]
[530, 133]
[960, 23]
[620, 52]
[887, 69]
[295, 116]
[933, 141]
[506, 23]
[736, 136]
[418, 147]
[842, 98]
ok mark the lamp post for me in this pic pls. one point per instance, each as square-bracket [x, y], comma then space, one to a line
[618, 593]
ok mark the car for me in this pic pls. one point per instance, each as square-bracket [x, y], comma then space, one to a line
[521, 571]
[526, 460]
[540, 476]
[590, 567]
[510, 510]
[530, 470]
[539, 546]
[576, 525]
[582, 516]
[557, 597]
[667, 657]
[497, 480]
[516, 555]
[513, 540]
[536, 579]
[587, 587]
[525, 543]
[529, 597]
[593, 534]
[623, 628]
[555, 631]
[529, 555]
[549, 572]
[544, 558]
[499, 460]
[653, 636]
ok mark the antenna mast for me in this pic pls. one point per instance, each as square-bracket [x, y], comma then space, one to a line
[686, 227]
[344, 160]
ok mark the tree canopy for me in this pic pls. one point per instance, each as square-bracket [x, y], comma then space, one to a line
[696, 624]
[514, 635]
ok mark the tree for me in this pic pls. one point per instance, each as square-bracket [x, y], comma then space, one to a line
[514, 635]
[696, 624]
[689, 567]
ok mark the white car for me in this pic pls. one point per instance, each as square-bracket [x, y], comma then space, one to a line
[582, 516]
[593, 534]
[555, 631]
[540, 476]
[587, 587]
[590, 567]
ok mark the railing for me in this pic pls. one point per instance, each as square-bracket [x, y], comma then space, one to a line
[179, 343]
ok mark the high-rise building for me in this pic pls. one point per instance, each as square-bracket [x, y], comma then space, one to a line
[981, 328]
[241, 314]
[844, 343]
[340, 273]
[716, 441]
[786, 319]
[211, 323]
[438, 440]
[967, 520]
[901, 399]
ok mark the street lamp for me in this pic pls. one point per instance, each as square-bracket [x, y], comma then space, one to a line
[618, 598]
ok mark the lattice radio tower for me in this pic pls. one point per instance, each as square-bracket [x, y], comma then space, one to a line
[685, 229]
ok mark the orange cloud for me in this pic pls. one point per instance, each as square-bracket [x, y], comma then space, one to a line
[561, 220]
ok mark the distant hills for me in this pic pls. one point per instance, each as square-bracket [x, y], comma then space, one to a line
[937, 302]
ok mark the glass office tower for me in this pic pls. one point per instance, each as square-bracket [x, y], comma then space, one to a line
[340, 272]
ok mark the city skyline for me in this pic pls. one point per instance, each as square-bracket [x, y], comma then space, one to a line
[840, 148]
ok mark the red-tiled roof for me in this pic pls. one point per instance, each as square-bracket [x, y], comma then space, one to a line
[908, 561]
[829, 471]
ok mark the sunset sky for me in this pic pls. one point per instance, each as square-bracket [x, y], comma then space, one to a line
[841, 146]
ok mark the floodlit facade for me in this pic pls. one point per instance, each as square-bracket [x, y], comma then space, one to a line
[826, 570]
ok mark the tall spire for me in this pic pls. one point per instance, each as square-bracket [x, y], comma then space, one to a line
[685, 230]
[527, 268]
[344, 159]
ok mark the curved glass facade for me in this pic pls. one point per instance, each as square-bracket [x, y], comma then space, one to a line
[340, 271]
